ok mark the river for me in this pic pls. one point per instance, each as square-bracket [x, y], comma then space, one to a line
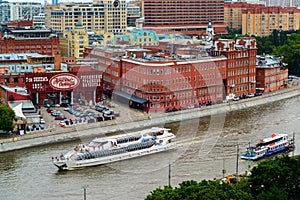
[204, 146]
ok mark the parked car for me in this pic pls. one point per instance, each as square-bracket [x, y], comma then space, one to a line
[108, 112]
[235, 98]
[62, 123]
[250, 95]
[258, 94]
[100, 118]
[47, 105]
[100, 108]
[168, 110]
[108, 117]
[42, 127]
[56, 113]
[174, 109]
[42, 121]
[60, 117]
[49, 110]
[36, 127]
[64, 105]
[29, 128]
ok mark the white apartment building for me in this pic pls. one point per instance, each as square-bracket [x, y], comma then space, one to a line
[39, 20]
[21, 10]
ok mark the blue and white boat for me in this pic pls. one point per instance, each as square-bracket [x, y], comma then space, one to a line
[268, 146]
[117, 148]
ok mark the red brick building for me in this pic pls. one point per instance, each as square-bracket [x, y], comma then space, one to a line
[271, 74]
[181, 16]
[64, 87]
[190, 77]
[22, 40]
[12, 94]
[241, 64]
[18, 23]
[177, 83]
[109, 62]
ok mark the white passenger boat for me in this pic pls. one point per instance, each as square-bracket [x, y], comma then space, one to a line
[268, 146]
[116, 148]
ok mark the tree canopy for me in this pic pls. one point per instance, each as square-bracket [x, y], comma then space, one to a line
[277, 179]
[7, 116]
[290, 52]
[192, 190]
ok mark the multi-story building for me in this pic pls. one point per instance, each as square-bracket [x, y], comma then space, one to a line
[233, 13]
[47, 80]
[241, 64]
[271, 74]
[138, 3]
[262, 21]
[107, 15]
[133, 13]
[42, 41]
[4, 11]
[39, 20]
[173, 83]
[183, 78]
[186, 17]
[142, 37]
[73, 42]
[296, 3]
[21, 10]
[13, 67]
[108, 62]
[17, 23]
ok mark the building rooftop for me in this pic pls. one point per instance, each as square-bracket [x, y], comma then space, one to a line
[18, 90]
[268, 61]
[21, 56]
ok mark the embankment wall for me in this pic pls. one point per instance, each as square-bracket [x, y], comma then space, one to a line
[94, 130]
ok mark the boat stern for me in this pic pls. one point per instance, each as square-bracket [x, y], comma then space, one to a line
[60, 164]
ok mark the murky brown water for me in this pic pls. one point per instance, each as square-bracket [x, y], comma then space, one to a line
[203, 145]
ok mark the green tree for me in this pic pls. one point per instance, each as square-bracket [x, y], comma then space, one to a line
[7, 116]
[278, 179]
[291, 51]
[191, 190]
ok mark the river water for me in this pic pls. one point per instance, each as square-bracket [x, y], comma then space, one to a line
[204, 146]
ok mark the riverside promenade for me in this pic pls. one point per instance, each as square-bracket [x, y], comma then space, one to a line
[131, 120]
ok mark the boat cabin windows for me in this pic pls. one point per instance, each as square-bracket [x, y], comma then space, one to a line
[157, 133]
[128, 139]
[262, 143]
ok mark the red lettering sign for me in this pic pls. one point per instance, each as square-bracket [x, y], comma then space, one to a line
[64, 82]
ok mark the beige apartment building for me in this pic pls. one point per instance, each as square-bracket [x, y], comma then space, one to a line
[73, 42]
[107, 15]
[233, 13]
[263, 20]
